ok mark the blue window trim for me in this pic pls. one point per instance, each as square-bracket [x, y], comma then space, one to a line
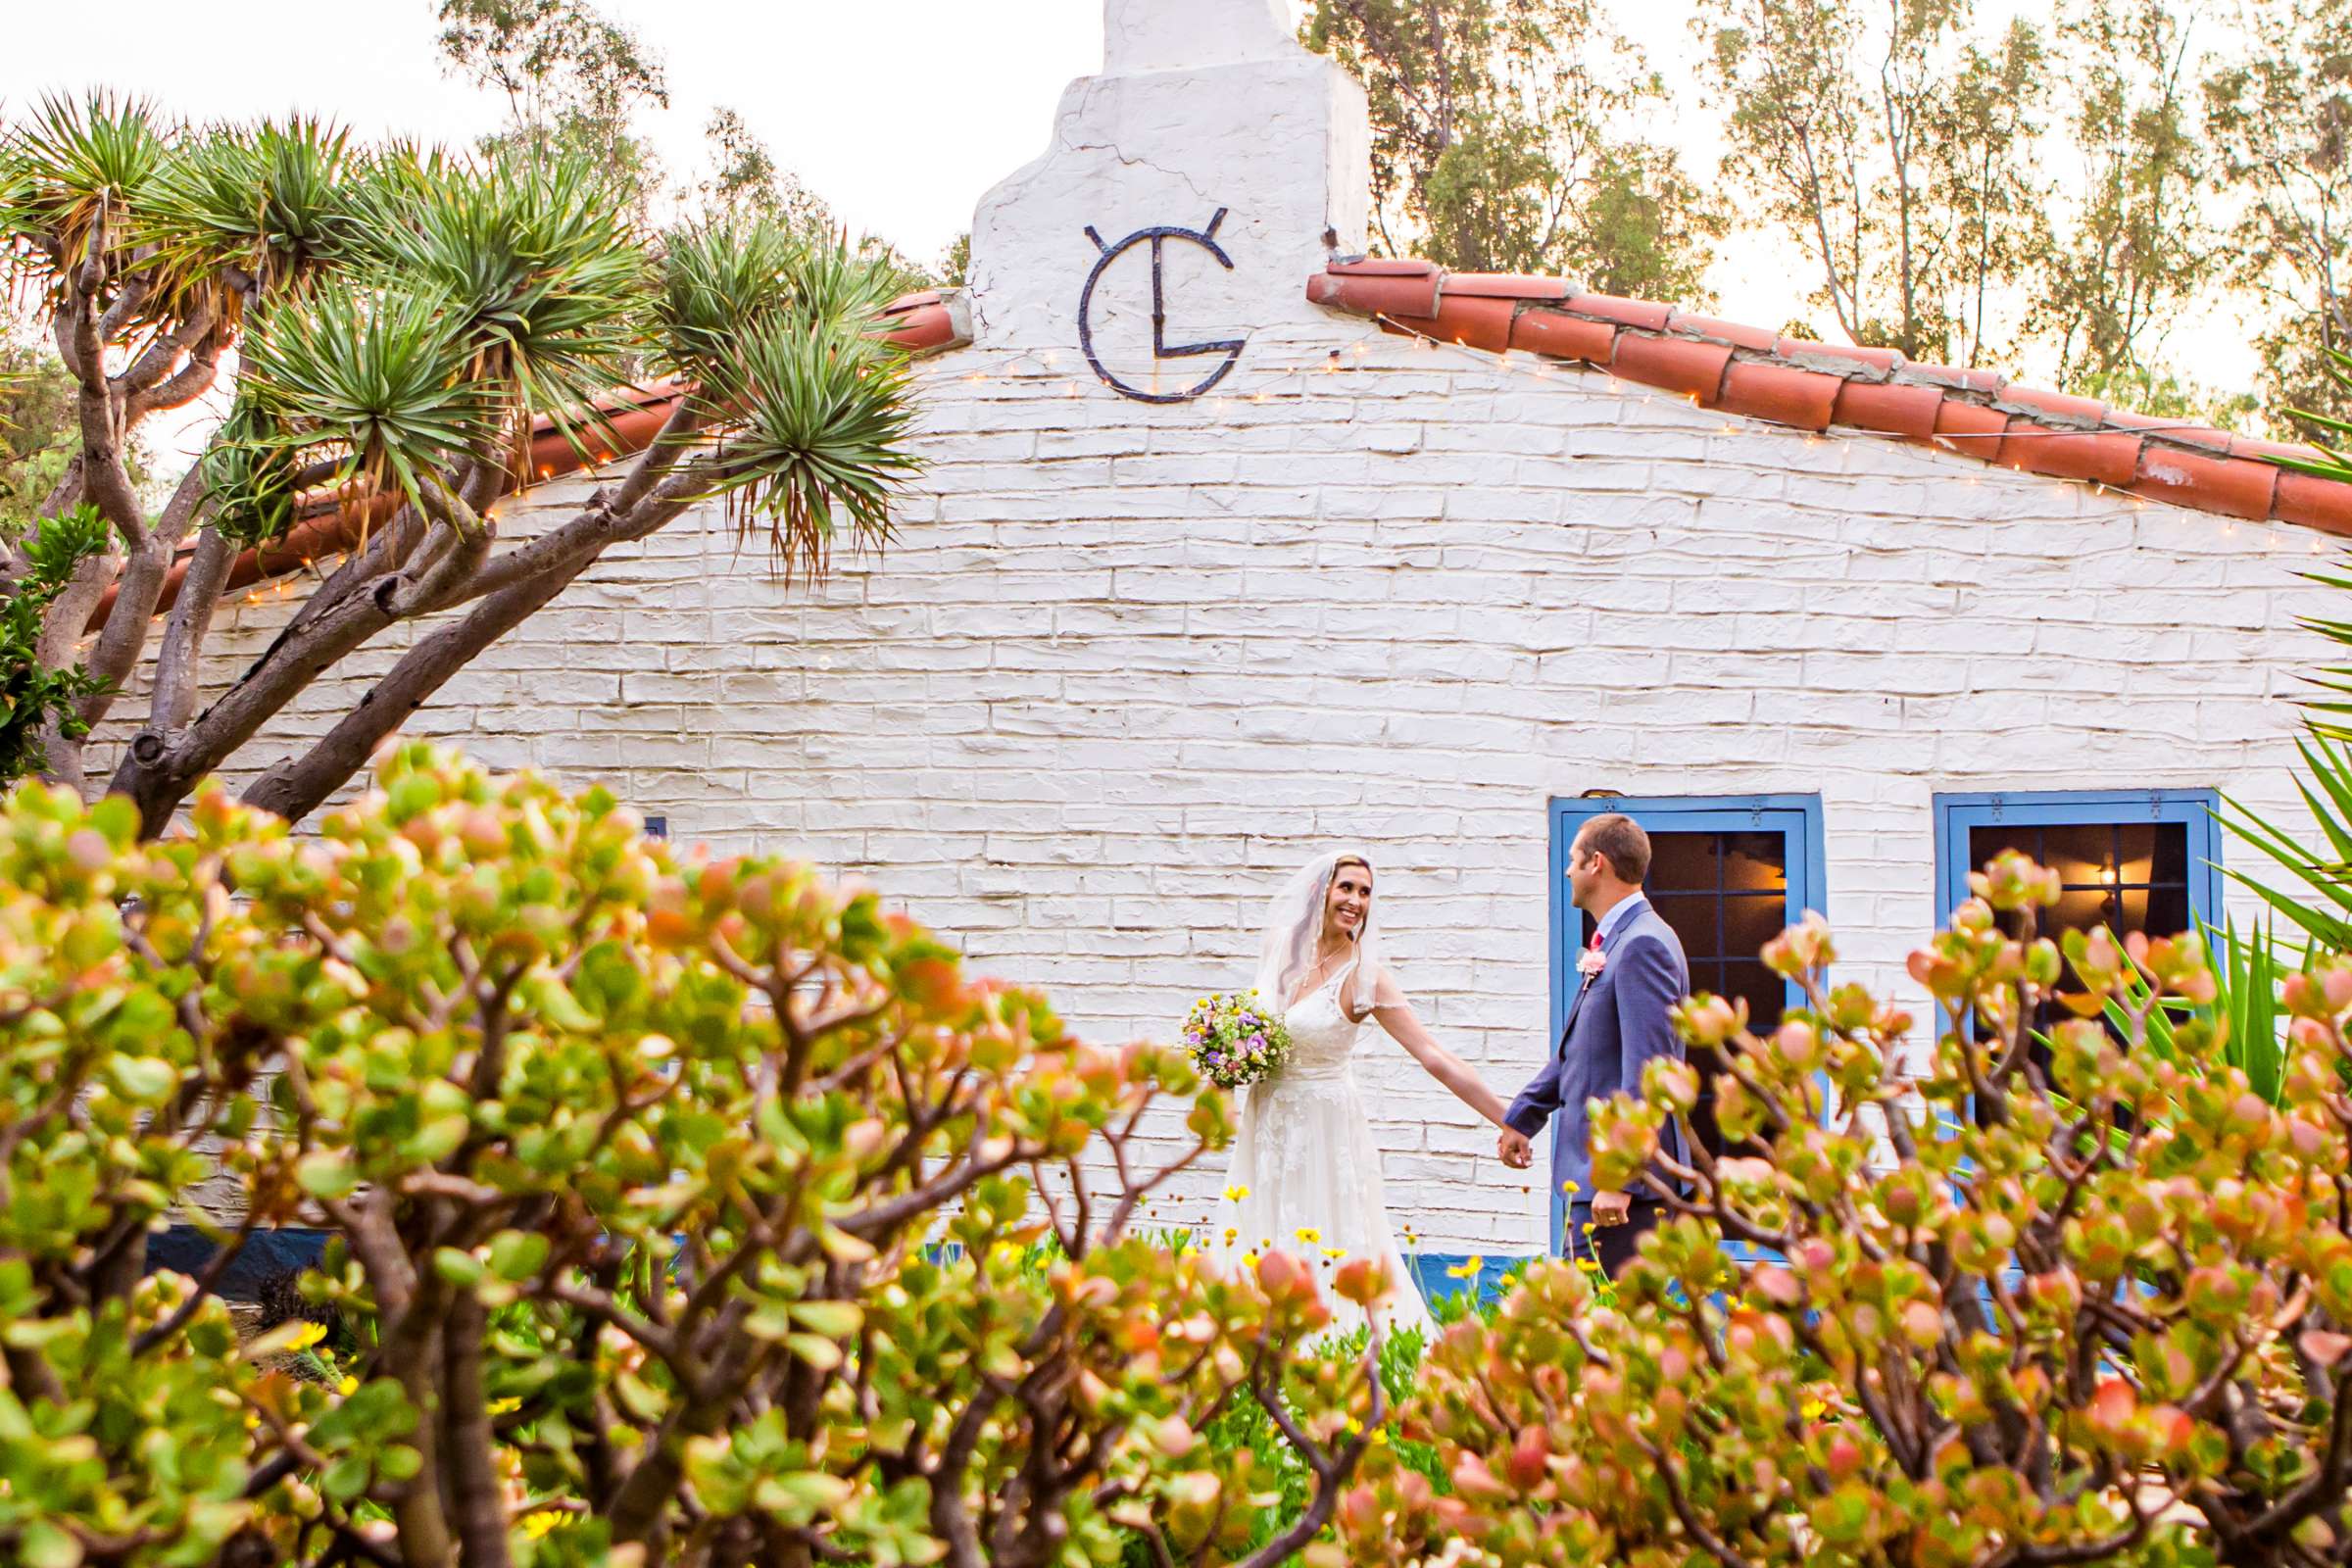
[1955, 815]
[1808, 877]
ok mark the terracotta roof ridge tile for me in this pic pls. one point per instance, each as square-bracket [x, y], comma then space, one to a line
[1767, 376]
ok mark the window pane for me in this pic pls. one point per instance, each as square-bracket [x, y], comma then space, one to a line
[2135, 851]
[1680, 861]
[1765, 993]
[1751, 919]
[2168, 912]
[1693, 916]
[2170, 860]
[1983, 843]
[2080, 851]
[1755, 862]
[2078, 909]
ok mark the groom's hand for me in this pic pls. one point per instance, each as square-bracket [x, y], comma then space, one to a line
[1516, 1152]
[1611, 1209]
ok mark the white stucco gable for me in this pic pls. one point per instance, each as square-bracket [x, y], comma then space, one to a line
[1202, 109]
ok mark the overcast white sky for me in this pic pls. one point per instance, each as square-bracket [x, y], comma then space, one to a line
[899, 112]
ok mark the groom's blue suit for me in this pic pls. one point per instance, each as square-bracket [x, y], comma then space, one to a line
[1617, 1021]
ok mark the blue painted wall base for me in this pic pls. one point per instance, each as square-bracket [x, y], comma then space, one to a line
[185, 1249]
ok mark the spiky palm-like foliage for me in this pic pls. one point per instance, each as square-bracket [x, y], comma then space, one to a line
[260, 208]
[407, 325]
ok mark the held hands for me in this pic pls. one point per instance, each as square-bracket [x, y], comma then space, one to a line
[1516, 1152]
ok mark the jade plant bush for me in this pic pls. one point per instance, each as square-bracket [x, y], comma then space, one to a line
[683, 1212]
[2064, 1299]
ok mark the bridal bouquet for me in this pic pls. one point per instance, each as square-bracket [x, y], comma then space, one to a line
[1235, 1041]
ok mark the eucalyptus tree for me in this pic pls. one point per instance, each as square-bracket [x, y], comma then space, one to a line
[1506, 138]
[401, 322]
[2275, 110]
[1895, 145]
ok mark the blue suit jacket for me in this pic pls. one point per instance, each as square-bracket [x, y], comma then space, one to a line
[1616, 1023]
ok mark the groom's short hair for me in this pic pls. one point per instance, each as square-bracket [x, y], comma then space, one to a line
[1620, 839]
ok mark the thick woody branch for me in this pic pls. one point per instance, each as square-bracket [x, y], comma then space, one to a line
[105, 478]
[646, 500]
[125, 635]
[192, 380]
[294, 788]
[1331, 1469]
[162, 354]
[178, 662]
[157, 776]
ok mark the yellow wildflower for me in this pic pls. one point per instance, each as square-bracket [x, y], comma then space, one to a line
[536, 1525]
[502, 1406]
[348, 1387]
[1570, 1186]
[1812, 1409]
[1308, 1235]
[1235, 1192]
[308, 1335]
[1467, 1269]
[1335, 1252]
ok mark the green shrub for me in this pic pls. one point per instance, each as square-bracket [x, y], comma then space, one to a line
[2093, 1313]
[684, 1213]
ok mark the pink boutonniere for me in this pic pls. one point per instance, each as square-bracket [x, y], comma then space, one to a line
[1591, 962]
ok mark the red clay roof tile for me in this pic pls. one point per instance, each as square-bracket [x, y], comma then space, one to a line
[1649, 317]
[922, 328]
[2064, 406]
[2103, 456]
[1780, 393]
[2235, 487]
[1694, 369]
[2313, 501]
[1805, 350]
[1958, 377]
[1790, 382]
[2246, 446]
[1377, 294]
[1735, 333]
[1506, 287]
[2195, 435]
[1907, 411]
[1382, 267]
[1481, 323]
[1563, 336]
[1968, 427]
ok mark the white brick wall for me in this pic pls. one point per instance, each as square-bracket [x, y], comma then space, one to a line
[1127, 665]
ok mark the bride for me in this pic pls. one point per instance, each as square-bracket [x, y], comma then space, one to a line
[1305, 1173]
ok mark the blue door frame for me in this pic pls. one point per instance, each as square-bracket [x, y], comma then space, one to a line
[1797, 818]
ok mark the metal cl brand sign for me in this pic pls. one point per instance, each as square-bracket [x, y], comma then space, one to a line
[1161, 348]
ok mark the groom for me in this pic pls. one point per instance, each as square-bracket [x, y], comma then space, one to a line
[1628, 981]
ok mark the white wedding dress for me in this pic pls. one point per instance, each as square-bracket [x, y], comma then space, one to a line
[1305, 1173]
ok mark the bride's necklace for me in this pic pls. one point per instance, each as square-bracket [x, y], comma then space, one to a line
[1325, 966]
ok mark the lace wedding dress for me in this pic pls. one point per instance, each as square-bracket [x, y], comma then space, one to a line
[1305, 1173]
